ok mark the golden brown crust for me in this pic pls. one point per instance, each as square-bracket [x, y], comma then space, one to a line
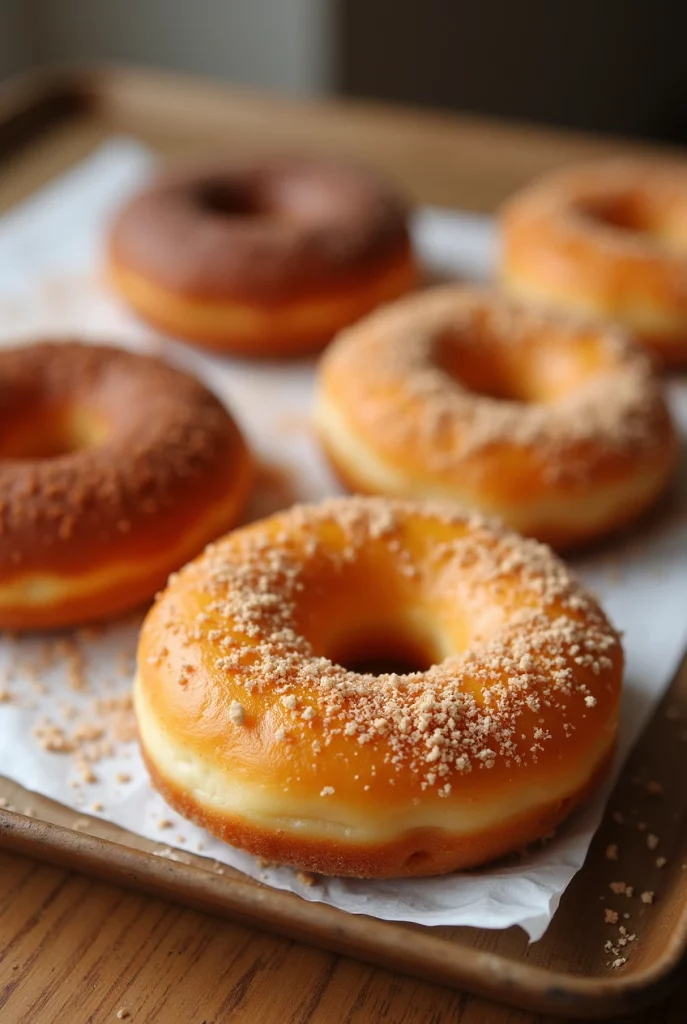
[557, 424]
[252, 726]
[163, 468]
[267, 240]
[420, 853]
[607, 239]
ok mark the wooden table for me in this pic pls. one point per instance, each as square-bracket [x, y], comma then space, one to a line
[73, 950]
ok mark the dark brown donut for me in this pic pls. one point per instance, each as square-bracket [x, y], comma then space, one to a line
[265, 240]
[115, 468]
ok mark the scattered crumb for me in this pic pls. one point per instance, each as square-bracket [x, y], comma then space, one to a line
[661, 862]
[653, 788]
[236, 713]
[306, 878]
[327, 791]
[610, 916]
[164, 823]
[97, 806]
[123, 1013]
[652, 841]
[647, 897]
[618, 817]
[618, 962]
[612, 851]
[123, 777]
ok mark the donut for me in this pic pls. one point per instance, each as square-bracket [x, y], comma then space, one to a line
[556, 425]
[114, 469]
[609, 240]
[492, 711]
[266, 259]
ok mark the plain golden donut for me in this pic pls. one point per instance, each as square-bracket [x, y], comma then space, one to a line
[556, 425]
[265, 259]
[609, 240]
[114, 469]
[252, 727]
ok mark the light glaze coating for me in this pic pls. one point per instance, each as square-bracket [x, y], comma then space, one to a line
[557, 425]
[114, 469]
[252, 727]
[608, 240]
[264, 259]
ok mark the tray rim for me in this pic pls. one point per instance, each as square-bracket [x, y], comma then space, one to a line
[486, 973]
[54, 93]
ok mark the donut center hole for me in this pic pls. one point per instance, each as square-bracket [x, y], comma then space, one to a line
[378, 651]
[49, 432]
[633, 212]
[225, 199]
[472, 360]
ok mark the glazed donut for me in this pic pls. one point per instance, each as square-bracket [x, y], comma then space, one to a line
[558, 426]
[263, 260]
[114, 470]
[607, 239]
[252, 725]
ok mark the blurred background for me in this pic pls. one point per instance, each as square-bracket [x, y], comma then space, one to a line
[615, 66]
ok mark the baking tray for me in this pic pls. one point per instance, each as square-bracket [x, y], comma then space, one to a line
[50, 121]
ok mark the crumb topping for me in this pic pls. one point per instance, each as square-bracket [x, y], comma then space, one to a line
[485, 704]
[411, 399]
[160, 434]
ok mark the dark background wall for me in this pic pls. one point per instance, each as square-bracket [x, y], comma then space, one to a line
[607, 65]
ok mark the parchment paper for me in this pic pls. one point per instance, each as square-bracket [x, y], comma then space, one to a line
[50, 259]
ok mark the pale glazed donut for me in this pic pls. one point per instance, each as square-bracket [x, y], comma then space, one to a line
[251, 726]
[610, 240]
[556, 425]
[267, 259]
[114, 469]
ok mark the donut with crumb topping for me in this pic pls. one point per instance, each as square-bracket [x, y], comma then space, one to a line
[558, 425]
[377, 688]
[114, 469]
[607, 239]
[263, 259]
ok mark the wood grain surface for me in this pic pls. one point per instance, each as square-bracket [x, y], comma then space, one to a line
[75, 951]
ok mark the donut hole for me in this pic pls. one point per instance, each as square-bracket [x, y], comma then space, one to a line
[227, 199]
[380, 650]
[548, 365]
[49, 432]
[625, 211]
[471, 358]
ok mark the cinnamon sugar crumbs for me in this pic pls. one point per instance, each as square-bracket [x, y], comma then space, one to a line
[612, 851]
[610, 916]
[552, 651]
[414, 351]
[647, 897]
[237, 713]
[306, 878]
